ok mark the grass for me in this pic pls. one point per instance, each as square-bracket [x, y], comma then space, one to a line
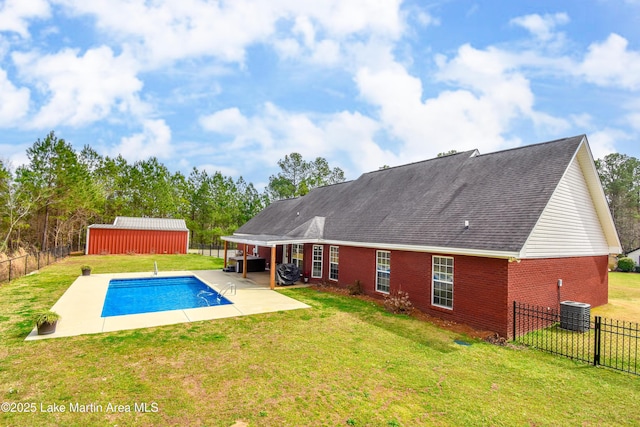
[620, 329]
[624, 298]
[342, 362]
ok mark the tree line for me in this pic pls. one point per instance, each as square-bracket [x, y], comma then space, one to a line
[52, 199]
[620, 177]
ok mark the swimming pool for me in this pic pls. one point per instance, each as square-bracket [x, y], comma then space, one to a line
[151, 294]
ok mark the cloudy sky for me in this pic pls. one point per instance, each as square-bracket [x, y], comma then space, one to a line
[235, 85]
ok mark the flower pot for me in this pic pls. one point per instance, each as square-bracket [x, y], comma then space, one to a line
[86, 272]
[47, 328]
[306, 280]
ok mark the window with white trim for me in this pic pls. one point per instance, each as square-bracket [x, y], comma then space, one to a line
[297, 254]
[316, 270]
[383, 271]
[333, 262]
[442, 282]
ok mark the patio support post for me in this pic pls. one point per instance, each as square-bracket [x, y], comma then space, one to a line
[225, 254]
[244, 262]
[272, 269]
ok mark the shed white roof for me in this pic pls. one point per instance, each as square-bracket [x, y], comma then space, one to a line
[130, 223]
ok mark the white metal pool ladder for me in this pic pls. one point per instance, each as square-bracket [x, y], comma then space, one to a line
[231, 288]
[155, 268]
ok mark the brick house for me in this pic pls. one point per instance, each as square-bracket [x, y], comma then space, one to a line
[464, 235]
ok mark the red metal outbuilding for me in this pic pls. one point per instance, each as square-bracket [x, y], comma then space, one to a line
[138, 236]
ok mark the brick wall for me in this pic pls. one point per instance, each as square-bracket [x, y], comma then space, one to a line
[484, 288]
[480, 292]
[480, 284]
[479, 288]
[358, 264]
[584, 279]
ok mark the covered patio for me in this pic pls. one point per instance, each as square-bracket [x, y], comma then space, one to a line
[263, 241]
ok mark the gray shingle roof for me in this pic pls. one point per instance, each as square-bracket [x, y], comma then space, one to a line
[166, 224]
[501, 194]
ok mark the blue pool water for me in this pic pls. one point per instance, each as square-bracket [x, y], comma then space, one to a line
[151, 294]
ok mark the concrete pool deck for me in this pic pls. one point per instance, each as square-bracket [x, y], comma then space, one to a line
[81, 305]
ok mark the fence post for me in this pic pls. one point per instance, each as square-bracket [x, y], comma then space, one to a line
[514, 320]
[597, 326]
[10, 269]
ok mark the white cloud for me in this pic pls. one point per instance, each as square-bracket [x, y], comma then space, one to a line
[288, 132]
[425, 19]
[14, 102]
[14, 15]
[154, 140]
[15, 154]
[177, 29]
[583, 120]
[232, 122]
[223, 168]
[326, 52]
[172, 30]
[633, 120]
[323, 52]
[287, 48]
[353, 134]
[342, 18]
[487, 98]
[611, 64]
[229, 121]
[80, 89]
[541, 26]
[603, 142]
[345, 139]
[305, 29]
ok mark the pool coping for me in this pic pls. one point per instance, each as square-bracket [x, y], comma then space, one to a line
[80, 306]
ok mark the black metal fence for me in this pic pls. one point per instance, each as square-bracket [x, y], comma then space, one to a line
[215, 249]
[595, 340]
[13, 268]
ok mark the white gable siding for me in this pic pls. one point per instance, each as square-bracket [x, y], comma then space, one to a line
[569, 225]
[635, 255]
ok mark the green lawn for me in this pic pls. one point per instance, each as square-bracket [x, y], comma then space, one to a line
[624, 298]
[342, 362]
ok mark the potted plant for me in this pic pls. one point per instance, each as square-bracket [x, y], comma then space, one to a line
[86, 270]
[46, 322]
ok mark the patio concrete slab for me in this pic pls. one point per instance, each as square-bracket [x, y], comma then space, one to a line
[80, 307]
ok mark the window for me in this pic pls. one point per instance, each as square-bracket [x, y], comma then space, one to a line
[316, 270]
[333, 263]
[297, 255]
[383, 271]
[442, 283]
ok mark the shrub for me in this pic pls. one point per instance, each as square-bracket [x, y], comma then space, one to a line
[398, 303]
[626, 264]
[355, 288]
